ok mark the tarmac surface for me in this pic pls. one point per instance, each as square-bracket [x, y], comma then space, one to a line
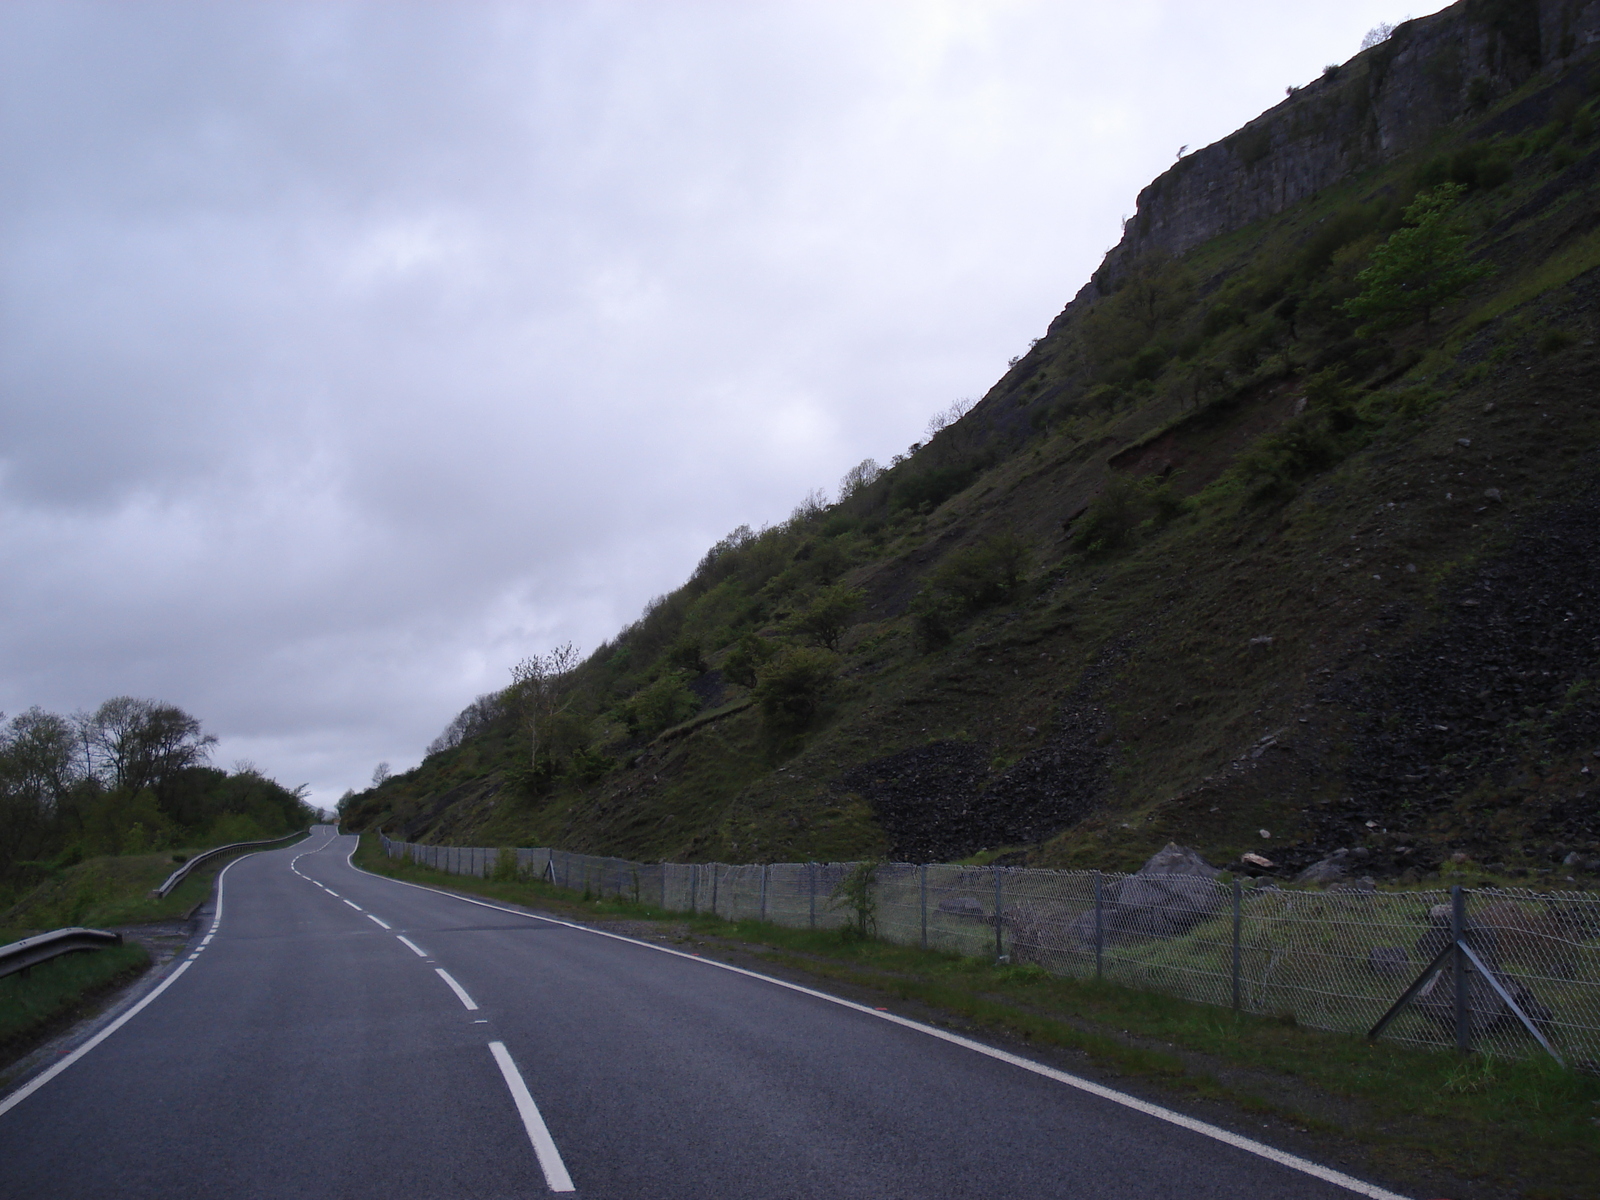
[338, 1034]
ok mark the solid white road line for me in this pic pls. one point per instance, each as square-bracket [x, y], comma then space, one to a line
[385, 924]
[1260, 1149]
[412, 946]
[555, 1171]
[461, 992]
[38, 1081]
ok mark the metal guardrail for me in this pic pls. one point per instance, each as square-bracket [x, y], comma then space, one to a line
[30, 952]
[182, 872]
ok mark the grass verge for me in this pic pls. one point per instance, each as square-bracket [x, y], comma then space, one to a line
[1526, 1129]
[111, 891]
[34, 1003]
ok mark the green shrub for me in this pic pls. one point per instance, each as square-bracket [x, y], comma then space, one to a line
[1555, 341]
[687, 654]
[827, 616]
[663, 704]
[794, 684]
[855, 895]
[984, 574]
[930, 488]
[745, 660]
[934, 617]
[1422, 266]
[588, 765]
[506, 867]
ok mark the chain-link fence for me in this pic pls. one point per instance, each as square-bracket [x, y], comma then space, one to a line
[1503, 970]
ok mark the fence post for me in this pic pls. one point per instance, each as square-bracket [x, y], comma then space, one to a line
[811, 872]
[694, 888]
[922, 889]
[714, 874]
[999, 916]
[1236, 909]
[763, 892]
[1458, 930]
[1099, 930]
[664, 868]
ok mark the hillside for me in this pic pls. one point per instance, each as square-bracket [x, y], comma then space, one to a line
[1216, 561]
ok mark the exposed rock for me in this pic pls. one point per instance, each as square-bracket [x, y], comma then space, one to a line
[1172, 893]
[1256, 860]
[1328, 870]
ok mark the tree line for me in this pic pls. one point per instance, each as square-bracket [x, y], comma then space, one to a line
[131, 777]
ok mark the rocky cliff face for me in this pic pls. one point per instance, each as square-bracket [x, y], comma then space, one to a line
[1387, 101]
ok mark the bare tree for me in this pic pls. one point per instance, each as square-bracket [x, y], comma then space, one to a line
[859, 476]
[381, 774]
[539, 692]
[143, 743]
[1378, 33]
[946, 417]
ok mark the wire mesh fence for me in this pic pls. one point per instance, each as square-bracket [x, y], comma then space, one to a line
[1336, 959]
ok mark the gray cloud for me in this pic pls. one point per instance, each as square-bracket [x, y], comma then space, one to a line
[350, 352]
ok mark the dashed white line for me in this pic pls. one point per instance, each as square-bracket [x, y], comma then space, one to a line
[555, 1171]
[412, 946]
[353, 905]
[330, 891]
[385, 924]
[461, 992]
[1204, 1128]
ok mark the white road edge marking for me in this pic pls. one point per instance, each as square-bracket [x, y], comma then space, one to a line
[44, 1077]
[38, 1081]
[461, 992]
[385, 924]
[1293, 1161]
[555, 1171]
[412, 946]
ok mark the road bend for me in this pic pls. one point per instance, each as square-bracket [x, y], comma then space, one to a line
[338, 1034]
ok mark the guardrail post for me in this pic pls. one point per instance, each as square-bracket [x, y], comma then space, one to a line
[1458, 930]
[1237, 891]
[922, 897]
[1099, 929]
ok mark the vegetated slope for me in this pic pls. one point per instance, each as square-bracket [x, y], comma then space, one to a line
[1212, 561]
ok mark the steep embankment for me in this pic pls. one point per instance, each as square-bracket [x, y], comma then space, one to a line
[1210, 562]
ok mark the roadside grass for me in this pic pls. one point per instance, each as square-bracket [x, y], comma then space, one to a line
[1531, 1127]
[32, 1002]
[110, 891]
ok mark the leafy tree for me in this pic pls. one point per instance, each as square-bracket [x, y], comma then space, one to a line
[660, 706]
[858, 478]
[794, 684]
[144, 743]
[827, 617]
[1422, 266]
[986, 573]
[746, 659]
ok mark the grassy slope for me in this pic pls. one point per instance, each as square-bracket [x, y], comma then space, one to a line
[103, 892]
[1428, 1119]
[1142, 664]
[58, 990]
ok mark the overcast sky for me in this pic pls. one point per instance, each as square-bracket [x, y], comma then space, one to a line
[351, 352]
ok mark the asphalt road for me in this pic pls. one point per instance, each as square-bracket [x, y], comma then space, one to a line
[344, 1035]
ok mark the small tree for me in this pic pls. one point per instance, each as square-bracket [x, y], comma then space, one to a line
[793, 685]
[1421, 266]
[540, 694]
[381, 774]
[828, 616]
[855, 895]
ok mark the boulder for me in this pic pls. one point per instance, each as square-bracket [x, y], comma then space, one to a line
[1486, 1010]
[1171, 894]
[1331, 869]
[963, 906]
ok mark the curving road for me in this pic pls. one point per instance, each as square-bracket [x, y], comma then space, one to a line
[342, 1035]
